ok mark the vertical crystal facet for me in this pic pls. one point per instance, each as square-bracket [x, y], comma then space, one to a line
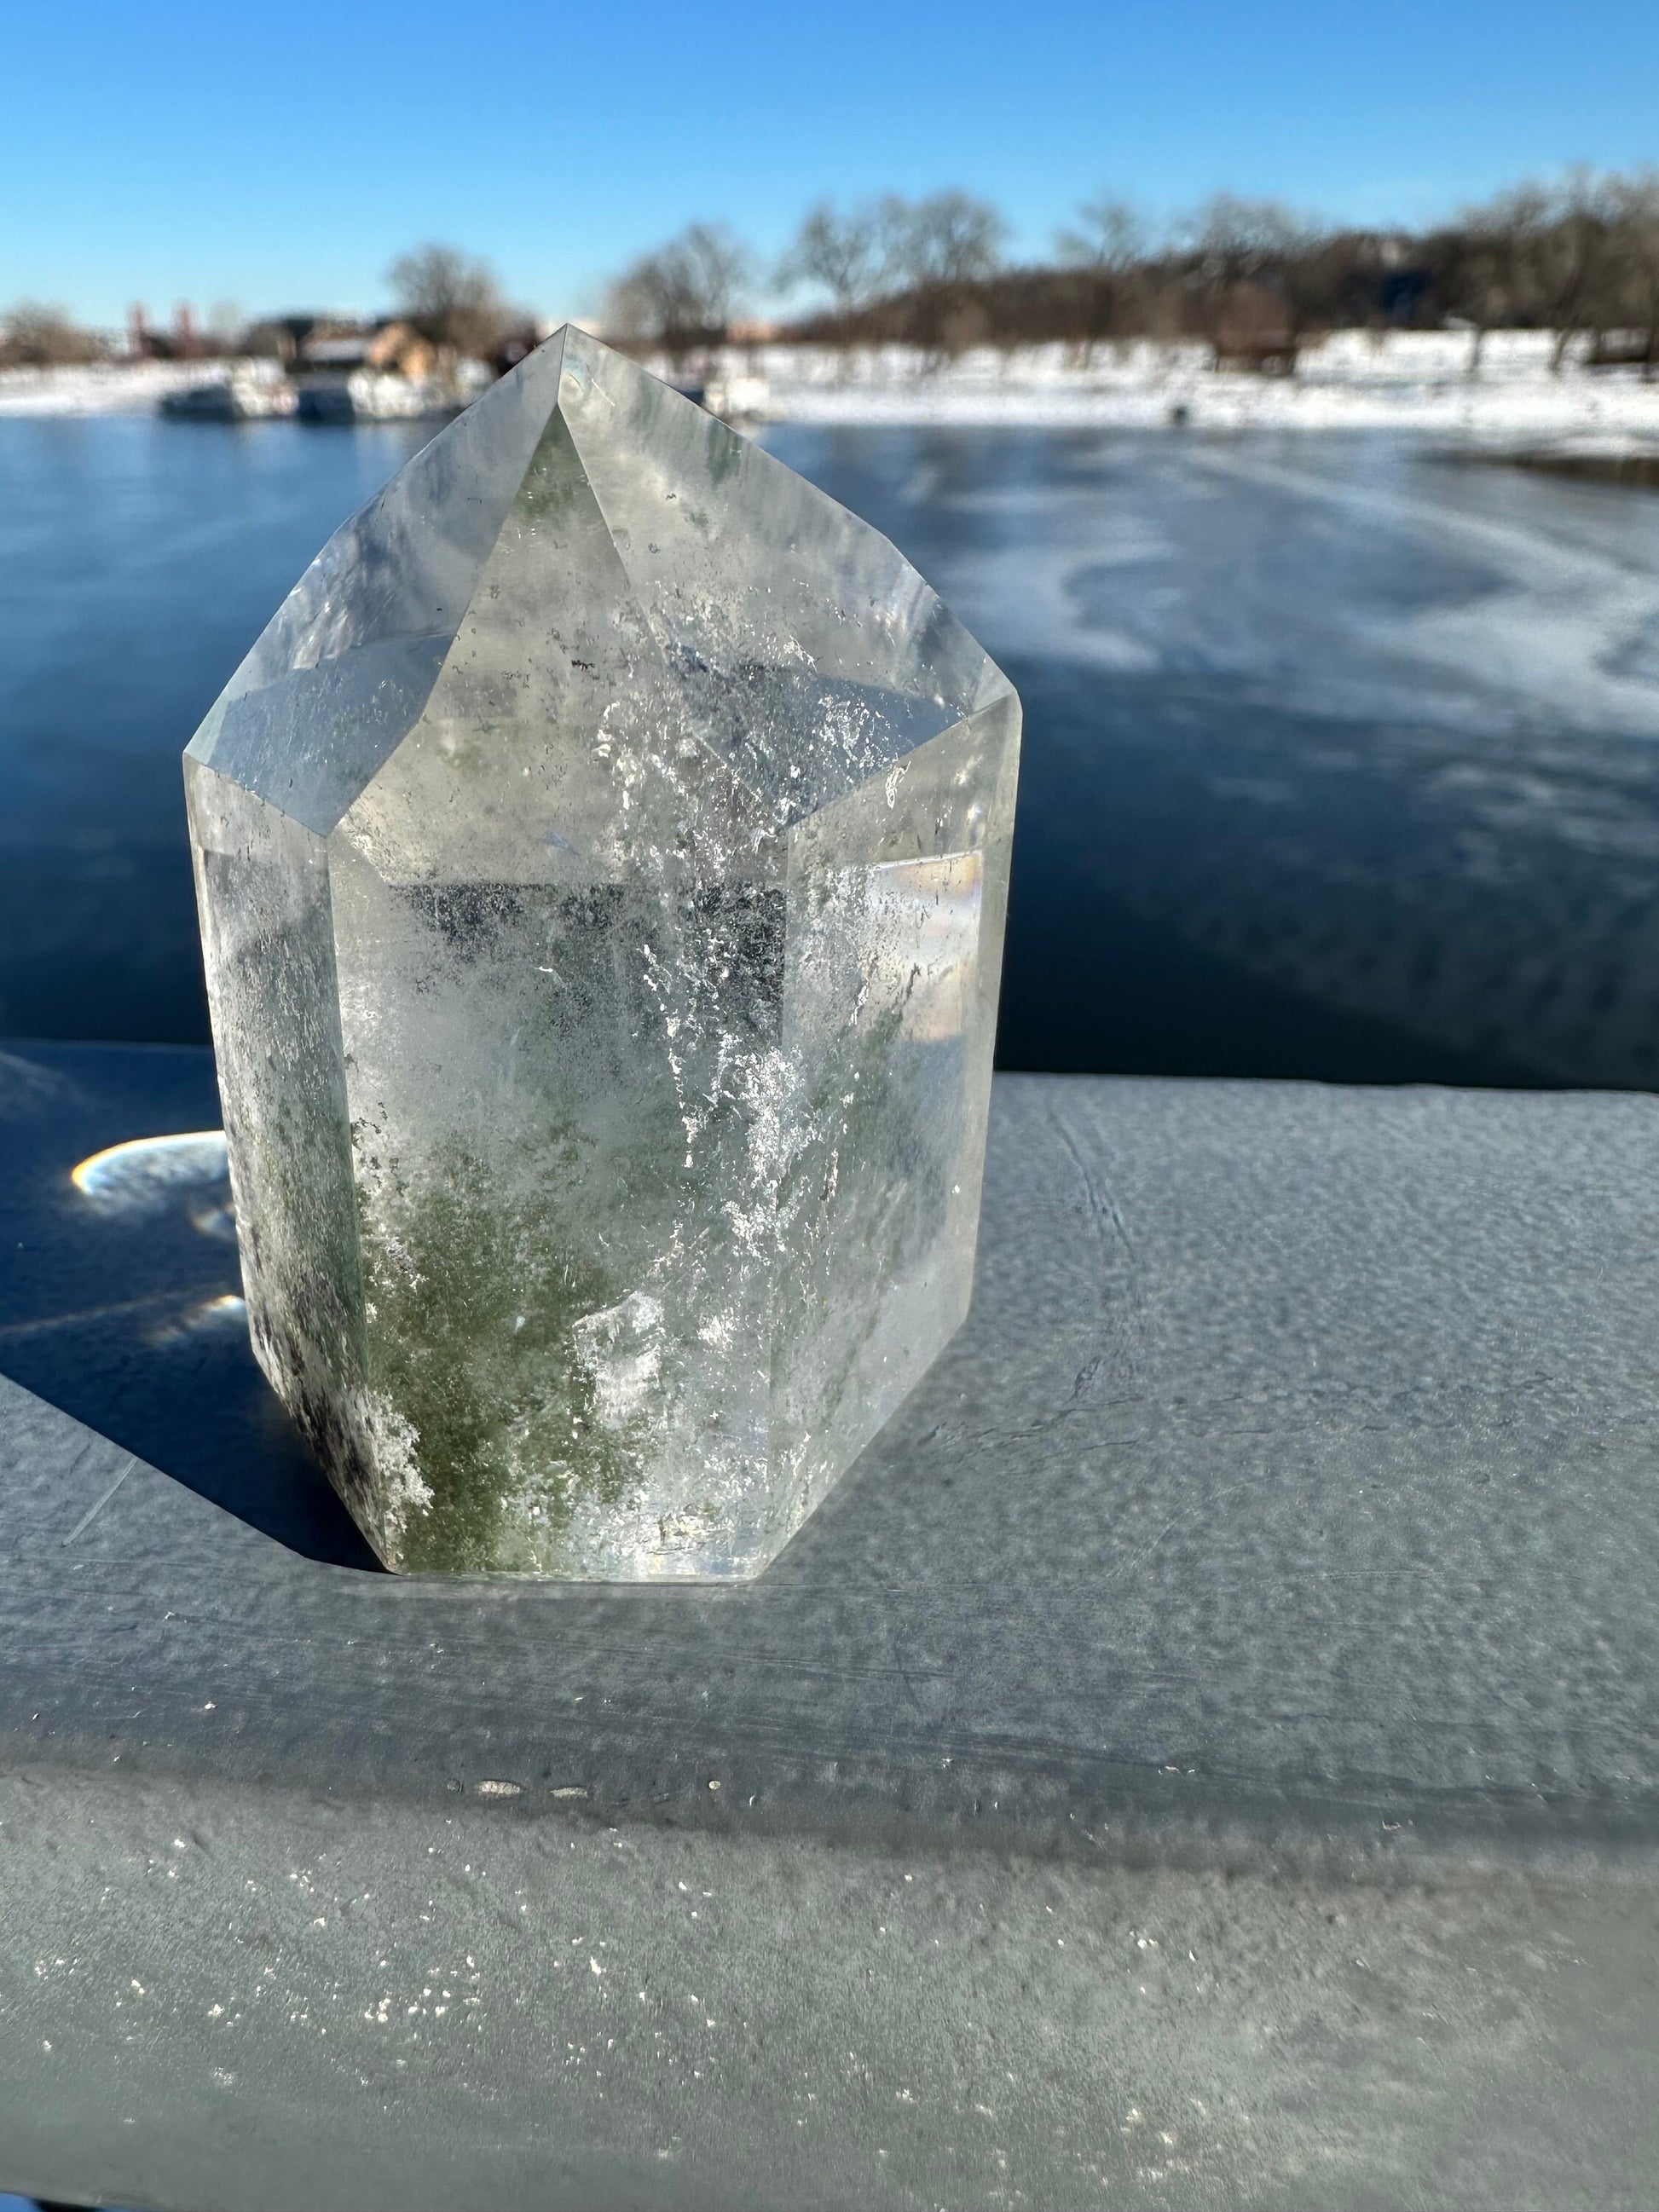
[602, 860]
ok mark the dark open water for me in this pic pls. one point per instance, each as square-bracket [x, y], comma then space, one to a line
[1341, 760]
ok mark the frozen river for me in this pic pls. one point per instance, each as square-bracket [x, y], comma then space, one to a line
[1341, 759]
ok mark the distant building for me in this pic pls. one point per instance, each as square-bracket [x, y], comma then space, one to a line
[285, 337]
[145, 343]
[386, 371]
[1254, 331]
[390, 348]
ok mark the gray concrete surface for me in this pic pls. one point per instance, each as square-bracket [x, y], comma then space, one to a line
[1204, 1753]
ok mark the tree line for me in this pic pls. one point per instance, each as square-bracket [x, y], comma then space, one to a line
[451, 298]
[1577, 256]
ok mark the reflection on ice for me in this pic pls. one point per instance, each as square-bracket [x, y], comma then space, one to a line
[212, 1213]
[116, 1307]
[226, 1311]
[146, 1174]
[148, 1177]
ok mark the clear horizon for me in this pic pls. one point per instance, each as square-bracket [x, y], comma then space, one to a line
[182, 154]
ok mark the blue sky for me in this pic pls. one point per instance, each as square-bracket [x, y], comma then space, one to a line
[283, 156]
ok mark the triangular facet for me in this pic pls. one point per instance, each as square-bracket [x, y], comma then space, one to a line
[812, 643]
[345, 665]
[557, 739]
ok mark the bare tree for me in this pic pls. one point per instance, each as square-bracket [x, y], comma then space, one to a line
[1572, 256]
[451, 298]
[715, 268]
[1239, 241]
[939, 250]
[1245, 254]
[839, 253]
[948, 239]
[683, 295]
[35, 334]
[1632, 278]
[1108, 245]
[1497, 261]
[1109, 234]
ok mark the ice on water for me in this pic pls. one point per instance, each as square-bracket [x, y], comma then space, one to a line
[602, 860]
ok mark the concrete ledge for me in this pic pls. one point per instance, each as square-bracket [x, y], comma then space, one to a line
[1220, 1708]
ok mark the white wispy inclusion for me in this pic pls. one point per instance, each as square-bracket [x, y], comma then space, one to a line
[602, 860]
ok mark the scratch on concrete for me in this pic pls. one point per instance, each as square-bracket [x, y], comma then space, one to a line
[1102, 1205]
[93, 1512]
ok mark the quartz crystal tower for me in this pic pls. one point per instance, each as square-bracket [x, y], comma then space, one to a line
[602, 859]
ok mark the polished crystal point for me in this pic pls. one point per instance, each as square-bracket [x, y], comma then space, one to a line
[602, 859]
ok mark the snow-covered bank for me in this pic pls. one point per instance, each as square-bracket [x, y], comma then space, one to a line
[1407, 380]
[101, 388]
[1413, 380]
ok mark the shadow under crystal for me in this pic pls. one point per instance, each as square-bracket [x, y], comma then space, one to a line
[120, 1295]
